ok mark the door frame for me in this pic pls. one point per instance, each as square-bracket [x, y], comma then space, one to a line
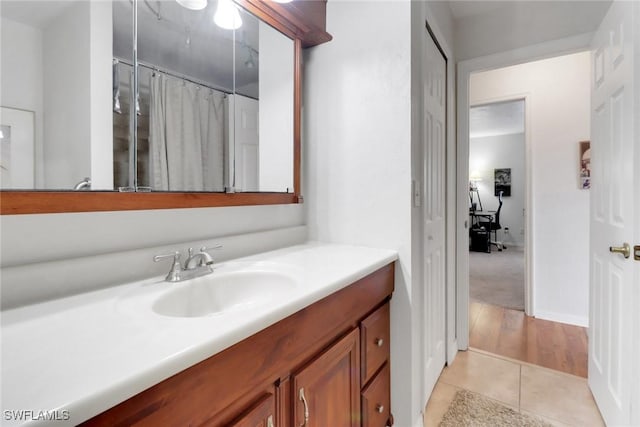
[529, 290]
[460, 164]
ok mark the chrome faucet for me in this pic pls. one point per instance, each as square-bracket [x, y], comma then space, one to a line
[198, 264]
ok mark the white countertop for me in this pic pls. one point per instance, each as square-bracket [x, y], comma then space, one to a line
[75, 357]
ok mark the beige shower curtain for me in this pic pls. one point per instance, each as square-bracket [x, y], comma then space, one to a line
[186, 136]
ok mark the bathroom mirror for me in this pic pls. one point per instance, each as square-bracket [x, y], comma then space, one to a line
[68, 132]
[198, 116]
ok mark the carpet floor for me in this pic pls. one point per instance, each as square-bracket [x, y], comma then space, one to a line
[472, 410]
[498, 278]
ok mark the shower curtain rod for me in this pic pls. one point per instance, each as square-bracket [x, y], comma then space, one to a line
[172, 74]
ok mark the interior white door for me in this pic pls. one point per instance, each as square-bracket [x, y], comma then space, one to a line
[434, 224]
[613, 293]
[246, 143]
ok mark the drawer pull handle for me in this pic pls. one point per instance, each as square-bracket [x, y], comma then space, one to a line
[306, 408]
[380, 409]
[379, 342]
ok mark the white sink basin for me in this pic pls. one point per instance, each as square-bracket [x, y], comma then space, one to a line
[223, 292]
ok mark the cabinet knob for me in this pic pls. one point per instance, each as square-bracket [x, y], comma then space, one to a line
[380, 409]
[379, 342]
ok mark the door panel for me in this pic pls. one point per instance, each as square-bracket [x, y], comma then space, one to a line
[612, 215]
[433, 169]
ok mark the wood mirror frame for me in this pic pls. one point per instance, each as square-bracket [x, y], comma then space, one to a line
[302, 21]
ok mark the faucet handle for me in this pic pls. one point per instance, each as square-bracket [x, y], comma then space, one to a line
[175, 255]
[174, 273]
[207, 249]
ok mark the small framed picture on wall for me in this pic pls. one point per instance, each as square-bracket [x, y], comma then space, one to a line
[502, 181]
[585, 165]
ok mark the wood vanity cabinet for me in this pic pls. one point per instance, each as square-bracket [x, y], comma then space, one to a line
[328, 363]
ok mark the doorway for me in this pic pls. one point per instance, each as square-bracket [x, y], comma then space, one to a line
[497, 174]
[555, 252]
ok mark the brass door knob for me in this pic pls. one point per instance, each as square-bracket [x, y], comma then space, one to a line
[380, 409]
[379, 342]
[624, 250]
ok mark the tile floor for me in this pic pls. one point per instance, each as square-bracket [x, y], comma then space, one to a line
[558, 398]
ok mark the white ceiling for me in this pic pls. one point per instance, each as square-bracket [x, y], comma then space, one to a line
[464, 8]
[502, 118]
[483, 28]
[467, 8]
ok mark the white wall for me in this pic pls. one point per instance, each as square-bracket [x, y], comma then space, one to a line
[518, 24]
[357, 123]
[276, 110]
[361, 151]
[21, 76]
[558, 90]
[501, 151]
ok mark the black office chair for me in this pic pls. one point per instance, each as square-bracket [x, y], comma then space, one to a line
[494, 225]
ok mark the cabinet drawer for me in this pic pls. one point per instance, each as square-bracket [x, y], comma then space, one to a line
[376, 400]
[374, 340]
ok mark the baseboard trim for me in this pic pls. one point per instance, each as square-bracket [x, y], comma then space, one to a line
[563, 318]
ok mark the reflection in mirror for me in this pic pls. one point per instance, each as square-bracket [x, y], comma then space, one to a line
[202, 87]
[214, 109]
[263, 108]
[185, 75]
[56, 94]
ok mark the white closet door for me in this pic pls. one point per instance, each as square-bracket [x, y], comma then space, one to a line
[434, 224]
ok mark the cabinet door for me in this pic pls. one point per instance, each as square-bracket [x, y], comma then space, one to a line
[262, 414]
[327, 391]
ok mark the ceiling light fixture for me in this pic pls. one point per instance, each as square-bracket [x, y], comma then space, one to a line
[282, 1]
[193, 4]
[227, 15]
